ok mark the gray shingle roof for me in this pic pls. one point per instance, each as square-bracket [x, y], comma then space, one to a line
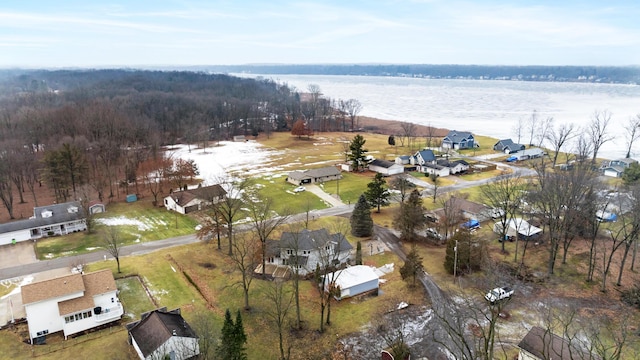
[315, 173]
[154, 330]
[382, 163]
[60, 213]
[457, 136]
[312, 239]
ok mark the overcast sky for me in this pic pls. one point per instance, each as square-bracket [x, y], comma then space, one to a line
[184, 32]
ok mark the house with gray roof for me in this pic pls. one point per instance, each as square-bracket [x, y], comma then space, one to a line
[162, 334]
[531, 153]
[187, 201]
[507, 146]
[615, 168]
[49, 220]
[312, 176]
[458, 140]
[306, 249]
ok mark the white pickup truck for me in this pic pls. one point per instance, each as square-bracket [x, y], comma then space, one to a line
[498, 294]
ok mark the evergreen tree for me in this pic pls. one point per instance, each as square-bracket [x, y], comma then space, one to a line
[361, 222]
[232, 340]
[240, 338]
[356, 156]
[377, 193]
[470, 253]
[359, 253]
[410, 217]
[412, 266]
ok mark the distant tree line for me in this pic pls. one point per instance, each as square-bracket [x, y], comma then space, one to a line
[605, 74]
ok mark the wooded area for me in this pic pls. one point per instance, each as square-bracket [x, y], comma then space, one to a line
[104, 129]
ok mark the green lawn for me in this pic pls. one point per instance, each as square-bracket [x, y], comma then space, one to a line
[138, 222]
[133, 296]
[284, 199]
[351, 186]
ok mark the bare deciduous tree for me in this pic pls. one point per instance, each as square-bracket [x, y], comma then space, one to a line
[112, 243]
[280, 300]
[597, 131]
[632, 133]
[353, 108]
[559, 137]
[246, 256]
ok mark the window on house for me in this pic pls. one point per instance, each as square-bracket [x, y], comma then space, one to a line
[289, 251]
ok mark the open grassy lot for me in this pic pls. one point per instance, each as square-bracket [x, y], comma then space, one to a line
[137, 222]
[351, 186]
[285, 200]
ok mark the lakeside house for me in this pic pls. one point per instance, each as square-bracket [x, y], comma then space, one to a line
[615, 168]
[507, 146]
[49, 220]
[71, 304]
[458, 140]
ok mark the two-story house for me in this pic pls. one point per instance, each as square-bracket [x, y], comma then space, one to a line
[71, 304]
[616, 168]
[458, 140]
[306, 249]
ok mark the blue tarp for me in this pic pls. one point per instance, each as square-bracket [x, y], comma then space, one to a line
[471, 224]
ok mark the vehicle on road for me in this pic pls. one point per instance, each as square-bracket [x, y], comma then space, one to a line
[499, 293]
[299, 189]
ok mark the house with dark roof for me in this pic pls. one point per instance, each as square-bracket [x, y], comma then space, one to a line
[162, 334]
[311, 176]
[188, 201]
[541, 344]
[464, 209]
[386, 168]
[304, 250]
[615, 168]
[71, 304]
[49, 220]
[455, 166]
[437, 170]
[507, 146]
[531, 153]
[458, 140]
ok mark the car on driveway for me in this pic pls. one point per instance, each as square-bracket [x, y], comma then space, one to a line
[299, 189]
[512, 159]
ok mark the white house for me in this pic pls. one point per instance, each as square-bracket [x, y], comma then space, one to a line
[352, 281]
[71, 304]
[162, 334]
[455, 167]
[436, 169]
[305, 249]
[50, 220]
[532, 153]
[386, 168]
[187, 201]
[312, 176]
[520, 228]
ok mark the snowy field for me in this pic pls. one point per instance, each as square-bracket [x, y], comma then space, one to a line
[214, 162]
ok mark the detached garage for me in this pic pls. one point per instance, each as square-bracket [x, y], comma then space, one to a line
[354, 280]
[386, 168]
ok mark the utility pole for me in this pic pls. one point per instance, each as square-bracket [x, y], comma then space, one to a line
[455, 259]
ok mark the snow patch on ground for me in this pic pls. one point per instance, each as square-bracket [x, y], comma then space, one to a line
[6, 283]
[121, 220]
[215, 162]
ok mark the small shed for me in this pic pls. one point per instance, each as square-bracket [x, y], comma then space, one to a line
[354, 280]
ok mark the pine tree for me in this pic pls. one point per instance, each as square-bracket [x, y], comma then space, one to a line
[377, 193]
[361, 221]
[359, 253]
[356, 156]
[410, 217]
[232, 339]
[240, 338]
[412, 266]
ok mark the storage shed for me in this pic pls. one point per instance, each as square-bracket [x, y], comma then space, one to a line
[354, 280]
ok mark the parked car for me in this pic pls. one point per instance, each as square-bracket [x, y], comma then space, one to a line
[499, 293]
[512, 159]
[433, 233]
[497, 213]
[471, 224]
[299, 189]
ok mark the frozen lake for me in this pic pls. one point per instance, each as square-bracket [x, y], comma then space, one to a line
[486, 107]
